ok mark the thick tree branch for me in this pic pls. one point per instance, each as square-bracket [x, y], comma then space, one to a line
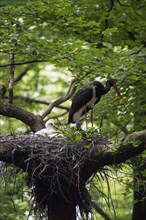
[98, 160]
[95, 156]
[137, 135]
[35, 122]
[127, 149]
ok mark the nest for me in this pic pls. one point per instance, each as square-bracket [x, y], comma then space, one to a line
[55, 169]
[55, 178]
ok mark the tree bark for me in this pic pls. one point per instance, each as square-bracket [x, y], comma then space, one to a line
[139, 175]
[35, 122]
[139, 194]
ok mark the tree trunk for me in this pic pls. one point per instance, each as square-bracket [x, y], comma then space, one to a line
[139, 207]
[139, 194]
[61, 209]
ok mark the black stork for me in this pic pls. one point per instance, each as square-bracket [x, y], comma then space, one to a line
[88, 96]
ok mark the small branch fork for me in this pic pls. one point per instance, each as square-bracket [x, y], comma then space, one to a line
[59, 101]
[35, 122]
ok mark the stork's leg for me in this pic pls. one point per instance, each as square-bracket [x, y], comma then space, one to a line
[101, 122]
[92, 117]
[86, 117]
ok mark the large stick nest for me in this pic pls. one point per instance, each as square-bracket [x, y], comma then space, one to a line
[55, 175]
[56, 169]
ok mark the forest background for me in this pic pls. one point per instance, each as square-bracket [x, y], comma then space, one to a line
[45, 45]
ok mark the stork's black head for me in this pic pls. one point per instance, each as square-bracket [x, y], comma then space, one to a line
[111, 82]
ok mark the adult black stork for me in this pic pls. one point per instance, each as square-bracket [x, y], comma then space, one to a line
[86, 97]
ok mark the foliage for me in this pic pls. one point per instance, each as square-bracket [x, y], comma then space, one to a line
[55, 41]
[111, 188]
[15, 197]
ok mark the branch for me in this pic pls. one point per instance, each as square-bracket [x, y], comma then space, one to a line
[91, 159]
[35, 122]
[137, 135]
[59, 101]
[122, 4]
[98, 158]
[20, 76]
[38, 101]
[2, 91]
[99, 210]
[22, 63]
[11, 75]
[111, 6]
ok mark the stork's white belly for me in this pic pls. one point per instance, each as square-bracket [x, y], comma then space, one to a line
[89, 105]
[78, 114]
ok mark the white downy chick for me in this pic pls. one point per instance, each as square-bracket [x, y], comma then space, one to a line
[50, 130]
[50, 126]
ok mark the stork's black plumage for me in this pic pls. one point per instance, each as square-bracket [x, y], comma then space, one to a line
[87, 97]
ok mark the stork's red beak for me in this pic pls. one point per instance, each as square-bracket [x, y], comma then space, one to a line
[117, 91]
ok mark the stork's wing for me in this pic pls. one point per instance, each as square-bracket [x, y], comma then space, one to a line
[81, 98]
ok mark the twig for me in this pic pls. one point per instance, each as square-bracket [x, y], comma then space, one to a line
[122, 4]
[21, 75]
[38, 101]
[101, 122]
[59, 101]
[22, 63]
[2, 91]
[11, 75]
[99, 210]
[111, 6]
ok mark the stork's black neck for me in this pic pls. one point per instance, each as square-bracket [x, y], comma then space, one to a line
[108, 86]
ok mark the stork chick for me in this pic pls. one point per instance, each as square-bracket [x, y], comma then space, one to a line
[50, 130]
